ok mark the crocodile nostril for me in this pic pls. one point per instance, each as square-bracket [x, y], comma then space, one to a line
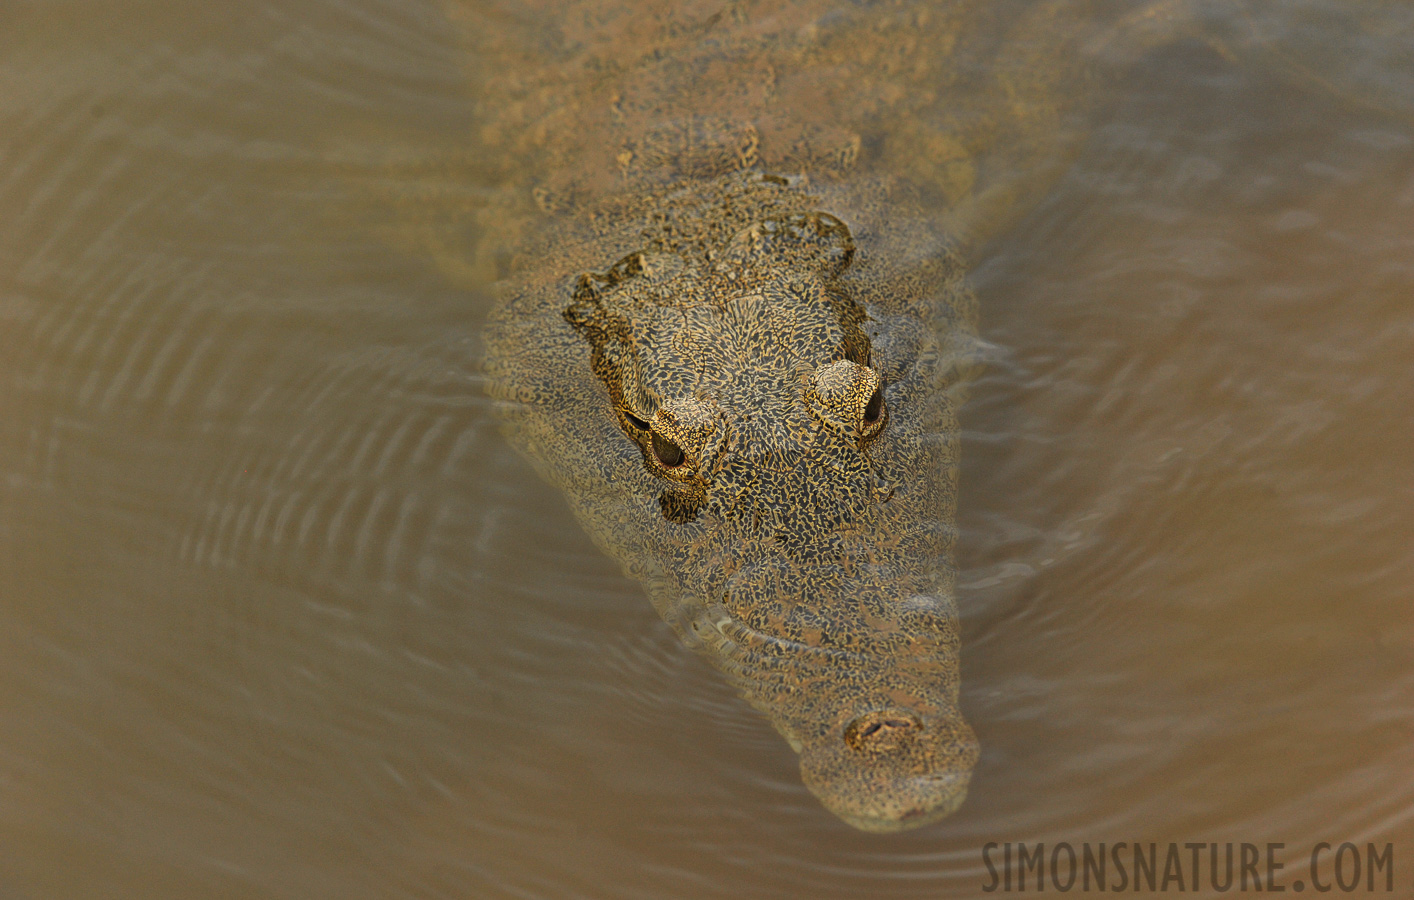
[881, 731]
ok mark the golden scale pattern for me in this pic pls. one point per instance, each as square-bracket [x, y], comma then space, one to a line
[738, 335]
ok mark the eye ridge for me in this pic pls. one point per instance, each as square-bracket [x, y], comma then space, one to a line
[636, 422]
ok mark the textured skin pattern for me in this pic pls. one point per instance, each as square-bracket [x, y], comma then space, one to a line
[733, 326]
[803, 549]
[739, 337]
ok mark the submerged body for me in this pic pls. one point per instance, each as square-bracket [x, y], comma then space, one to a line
[738, 334]
[734, 328]
[738, 343]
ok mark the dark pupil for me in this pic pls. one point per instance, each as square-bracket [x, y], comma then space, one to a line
[875, 409]
[668, 453]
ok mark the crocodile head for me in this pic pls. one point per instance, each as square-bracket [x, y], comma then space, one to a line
[790, 503]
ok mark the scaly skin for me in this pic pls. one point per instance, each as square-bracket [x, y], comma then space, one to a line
[739, 336]
[803, 548]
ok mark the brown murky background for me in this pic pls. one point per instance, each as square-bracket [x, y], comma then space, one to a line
[282, 617]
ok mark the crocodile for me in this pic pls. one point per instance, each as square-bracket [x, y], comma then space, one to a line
[736, 331]
[734, 325]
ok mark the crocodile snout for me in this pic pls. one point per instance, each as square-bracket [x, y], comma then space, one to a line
[892, 769]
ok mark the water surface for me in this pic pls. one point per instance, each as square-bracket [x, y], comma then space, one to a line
[282, 616]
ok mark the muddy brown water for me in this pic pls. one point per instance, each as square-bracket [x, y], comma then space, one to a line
[281, 616]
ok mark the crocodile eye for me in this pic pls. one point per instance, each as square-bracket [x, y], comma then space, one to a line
[668, 453]
[636, 422]
[874, 409]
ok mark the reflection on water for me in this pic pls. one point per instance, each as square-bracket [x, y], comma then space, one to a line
[281, 616]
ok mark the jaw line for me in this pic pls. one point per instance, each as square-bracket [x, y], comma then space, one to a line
[914, 818]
